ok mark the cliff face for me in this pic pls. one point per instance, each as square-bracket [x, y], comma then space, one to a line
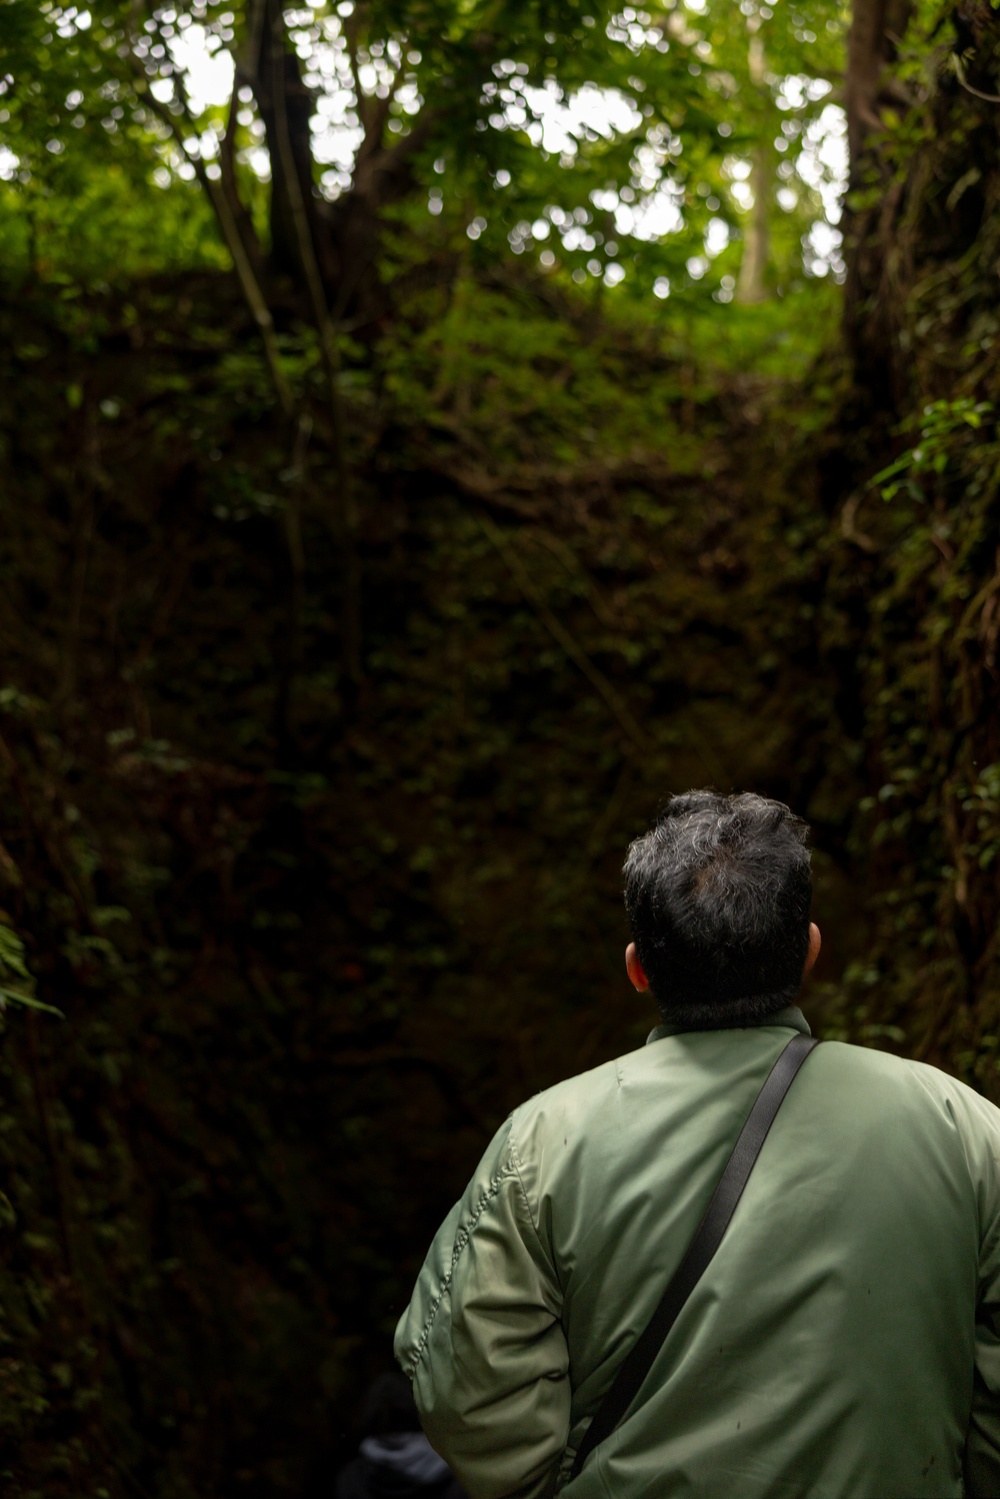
[313, 936]
[313, 939]
[921, 518]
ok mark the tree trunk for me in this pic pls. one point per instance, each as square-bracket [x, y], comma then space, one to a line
[877, 27]
[752, 284]
[276, 80]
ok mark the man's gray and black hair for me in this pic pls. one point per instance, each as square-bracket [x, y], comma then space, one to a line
[718, 895]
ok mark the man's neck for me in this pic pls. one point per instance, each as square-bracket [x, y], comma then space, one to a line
[790, 1017]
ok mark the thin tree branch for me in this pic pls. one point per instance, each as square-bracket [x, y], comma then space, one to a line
[959, 68]
[290, 655]
[345, 516]
[227, 164]
[570, 562]
[249, 65]
[249, 284]
[351, 37]
[379, 114]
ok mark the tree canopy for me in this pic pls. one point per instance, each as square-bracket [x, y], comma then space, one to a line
[615, 145]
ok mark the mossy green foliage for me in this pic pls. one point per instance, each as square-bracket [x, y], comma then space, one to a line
[311, 946]
[913, 595]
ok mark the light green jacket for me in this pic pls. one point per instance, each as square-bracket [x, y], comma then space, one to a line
[844, 1343]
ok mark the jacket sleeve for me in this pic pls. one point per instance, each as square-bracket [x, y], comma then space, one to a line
[482, 1341]
[982, 1446]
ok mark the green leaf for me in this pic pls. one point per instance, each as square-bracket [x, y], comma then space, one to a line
[17, 997]
[897, 467]
[12, 952]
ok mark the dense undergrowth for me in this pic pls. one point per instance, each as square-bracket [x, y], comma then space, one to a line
[311, 943]
[311, 937]
[922, 515]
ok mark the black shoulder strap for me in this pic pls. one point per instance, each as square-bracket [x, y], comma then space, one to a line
[706, 1241]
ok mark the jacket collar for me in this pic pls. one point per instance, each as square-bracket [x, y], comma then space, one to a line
[791, 1017]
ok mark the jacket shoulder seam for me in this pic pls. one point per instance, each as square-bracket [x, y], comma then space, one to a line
[550, 1267]
[462, 1238]
[516, 1162]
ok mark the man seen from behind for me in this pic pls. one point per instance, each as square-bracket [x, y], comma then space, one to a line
[843, 1342]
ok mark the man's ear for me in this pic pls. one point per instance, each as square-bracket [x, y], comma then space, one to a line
[815, 943]
[635, 970]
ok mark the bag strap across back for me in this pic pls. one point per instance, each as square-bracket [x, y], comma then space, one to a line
[706, 1241]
